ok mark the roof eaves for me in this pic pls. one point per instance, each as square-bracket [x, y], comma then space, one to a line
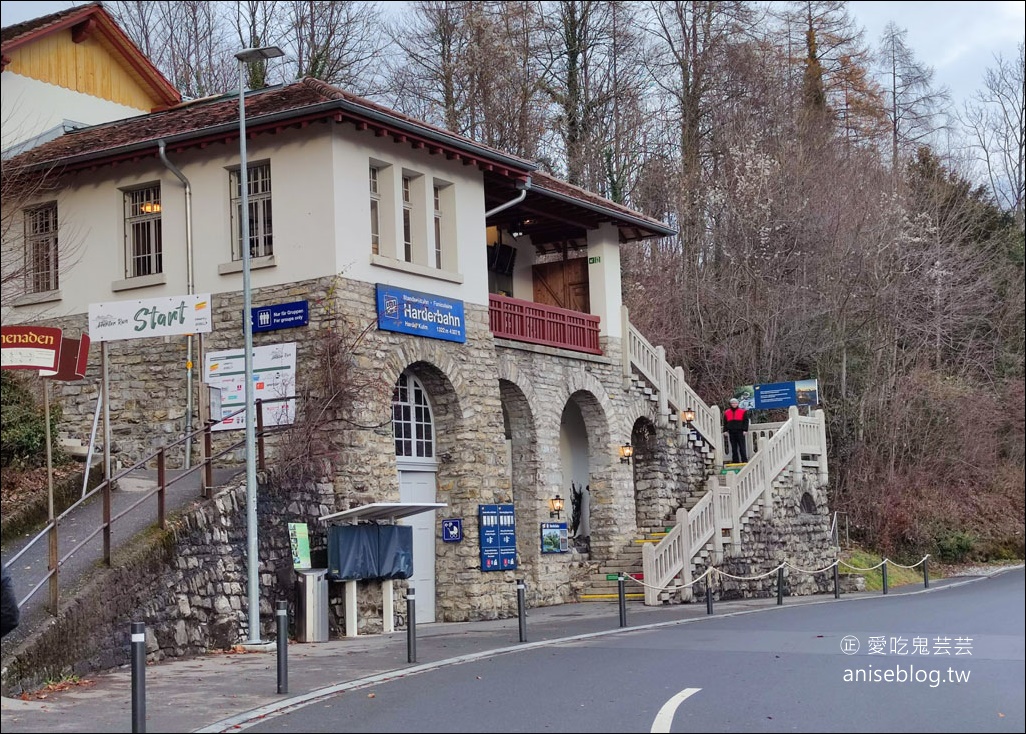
[617, 214]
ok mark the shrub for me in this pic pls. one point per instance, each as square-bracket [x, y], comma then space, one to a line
[955, 546]
[23, 424]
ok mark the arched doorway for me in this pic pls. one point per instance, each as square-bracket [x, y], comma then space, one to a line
[413, 429]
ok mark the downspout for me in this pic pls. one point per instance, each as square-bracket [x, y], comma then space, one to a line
[190, 287]
[523, 186]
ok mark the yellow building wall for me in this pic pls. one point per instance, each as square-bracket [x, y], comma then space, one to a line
[87, 67]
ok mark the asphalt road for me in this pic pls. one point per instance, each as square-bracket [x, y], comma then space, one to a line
[779, 669]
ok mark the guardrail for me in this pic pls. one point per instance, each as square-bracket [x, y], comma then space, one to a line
[51, 531]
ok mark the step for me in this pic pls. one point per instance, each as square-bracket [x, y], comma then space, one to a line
[629, 596]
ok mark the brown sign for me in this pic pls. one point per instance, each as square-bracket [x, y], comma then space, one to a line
[30, 347]
[74, 356]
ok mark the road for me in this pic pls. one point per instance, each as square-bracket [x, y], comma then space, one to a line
[949, 660]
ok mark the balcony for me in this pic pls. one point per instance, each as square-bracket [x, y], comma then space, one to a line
[524, 321]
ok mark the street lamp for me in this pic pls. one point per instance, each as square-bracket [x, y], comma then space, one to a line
[247, 56]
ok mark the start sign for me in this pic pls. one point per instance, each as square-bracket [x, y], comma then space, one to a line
[30, 347]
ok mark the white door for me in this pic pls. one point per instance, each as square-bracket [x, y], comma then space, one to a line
[419, 486]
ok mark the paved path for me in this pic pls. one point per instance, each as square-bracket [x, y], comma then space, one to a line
[31, 568]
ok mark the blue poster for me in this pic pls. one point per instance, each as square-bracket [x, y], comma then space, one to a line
[498, 537]
[420, 314]
[785, 394]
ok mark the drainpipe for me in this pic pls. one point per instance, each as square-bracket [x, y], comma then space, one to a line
[523, 186]
[190, 286]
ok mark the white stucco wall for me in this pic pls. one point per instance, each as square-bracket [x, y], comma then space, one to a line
[321, 221]
[30, 107]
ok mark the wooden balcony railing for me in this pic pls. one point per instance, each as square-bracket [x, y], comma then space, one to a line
[524, 321]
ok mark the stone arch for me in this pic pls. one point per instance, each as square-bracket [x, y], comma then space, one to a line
[653, 489]
[522, 459]
[808, 504]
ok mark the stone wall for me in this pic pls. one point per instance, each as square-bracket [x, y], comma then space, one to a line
[792, 534]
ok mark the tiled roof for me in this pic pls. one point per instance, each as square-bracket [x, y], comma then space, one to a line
[216, 118]
[12, 33]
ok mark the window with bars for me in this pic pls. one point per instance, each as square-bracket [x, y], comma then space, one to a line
[375, 211]
[261, 233]
[407, 219]
[412, 423]
[41, 271]
[144, 251]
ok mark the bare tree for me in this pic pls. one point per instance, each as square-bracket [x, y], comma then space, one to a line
[913, 103]
[995, 120]
[337, 42]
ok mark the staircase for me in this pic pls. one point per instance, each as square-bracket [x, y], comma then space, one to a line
[711, 522]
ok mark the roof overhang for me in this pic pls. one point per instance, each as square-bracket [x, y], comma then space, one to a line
[381, 512]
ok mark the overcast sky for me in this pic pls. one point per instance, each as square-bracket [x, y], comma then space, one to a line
[958, 39]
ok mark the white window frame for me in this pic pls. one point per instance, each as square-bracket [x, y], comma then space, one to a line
[261, 221]
[42, 272]
[413, 425]
[374, 175]
[144, 252]
[407, 196]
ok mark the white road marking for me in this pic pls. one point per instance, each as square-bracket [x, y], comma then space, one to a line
[664, 718]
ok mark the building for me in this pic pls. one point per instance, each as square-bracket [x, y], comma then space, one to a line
[72, 69]
[472, 300]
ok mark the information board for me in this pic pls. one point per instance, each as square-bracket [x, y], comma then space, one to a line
[274, 376]
[498, 537]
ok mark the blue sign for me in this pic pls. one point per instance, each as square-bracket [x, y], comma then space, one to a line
[498, 537]
[786, 394]
[420, 314]
[280, 316]
[452, 530]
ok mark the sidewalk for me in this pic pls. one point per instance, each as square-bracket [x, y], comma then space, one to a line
[217, 692]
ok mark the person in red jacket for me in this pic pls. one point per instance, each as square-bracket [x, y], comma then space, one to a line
[735, 424]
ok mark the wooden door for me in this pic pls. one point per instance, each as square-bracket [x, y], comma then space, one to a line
[563, 284]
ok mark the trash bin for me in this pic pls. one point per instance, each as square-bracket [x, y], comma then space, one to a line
[312, 605]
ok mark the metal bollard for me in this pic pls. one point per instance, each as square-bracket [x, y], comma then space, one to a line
[411, 625]
[780, 586]
[282, 615]
[837, 583]
[521, 612]
[138, 677]
[884, 575]
[926, 573]
[622, 595]
[709, 595]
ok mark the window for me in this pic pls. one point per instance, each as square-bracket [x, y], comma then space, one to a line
[411, 419]
[438, 227]
[375, 211]
[144, 253]
[261, 237]
[407, 219]
[41, 249]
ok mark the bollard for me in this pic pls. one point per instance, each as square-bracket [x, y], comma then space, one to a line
[837, 582]
[411, 625]
[709, 595]
[521, 612]
[885, 575]
[623, 600]
[926, 573]
[138, 677]
[282, 614]
[780, 586]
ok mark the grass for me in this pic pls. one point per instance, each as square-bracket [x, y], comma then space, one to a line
[874, 579]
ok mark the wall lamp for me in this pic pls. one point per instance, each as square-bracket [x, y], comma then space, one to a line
[626, 452]
[688, 416]
[556, 506]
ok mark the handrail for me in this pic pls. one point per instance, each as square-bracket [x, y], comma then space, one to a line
[669, 382]
[718, 510]
[51, 529]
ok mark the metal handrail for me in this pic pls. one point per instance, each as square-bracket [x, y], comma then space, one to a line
[51, 528]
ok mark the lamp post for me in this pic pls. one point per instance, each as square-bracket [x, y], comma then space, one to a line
[247, 56]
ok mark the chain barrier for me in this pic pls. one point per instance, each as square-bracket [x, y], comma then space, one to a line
[713, 572]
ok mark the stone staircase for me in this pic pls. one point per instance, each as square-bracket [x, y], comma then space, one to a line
[603, 584]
